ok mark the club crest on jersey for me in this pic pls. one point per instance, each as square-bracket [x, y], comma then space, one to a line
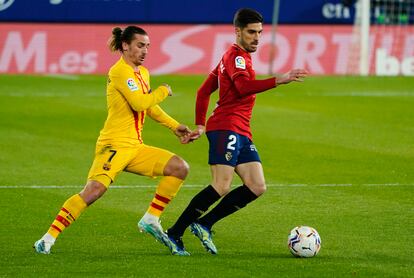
[228, 156]
[240, 62]
[106, 166]
[132, 85]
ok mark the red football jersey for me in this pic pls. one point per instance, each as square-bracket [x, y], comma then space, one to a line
[234, 107]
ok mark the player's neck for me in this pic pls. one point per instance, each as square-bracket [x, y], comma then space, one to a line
[241, 47]
[130, 63]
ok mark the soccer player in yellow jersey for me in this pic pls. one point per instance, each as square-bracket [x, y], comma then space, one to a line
[120, 146]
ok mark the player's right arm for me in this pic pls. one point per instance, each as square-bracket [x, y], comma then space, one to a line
[124, 82]
[203, 97]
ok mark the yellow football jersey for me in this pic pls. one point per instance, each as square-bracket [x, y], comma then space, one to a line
[129, 100]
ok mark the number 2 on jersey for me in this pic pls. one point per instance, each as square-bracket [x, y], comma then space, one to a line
[233, 140]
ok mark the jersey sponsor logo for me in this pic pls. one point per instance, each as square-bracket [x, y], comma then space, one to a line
[240, 62]
[132, 85]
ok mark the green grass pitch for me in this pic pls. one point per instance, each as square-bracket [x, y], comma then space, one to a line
[338, 155]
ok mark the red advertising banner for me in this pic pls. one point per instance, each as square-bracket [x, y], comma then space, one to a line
[191, 49]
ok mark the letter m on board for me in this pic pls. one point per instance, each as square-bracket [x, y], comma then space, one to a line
[15, 50]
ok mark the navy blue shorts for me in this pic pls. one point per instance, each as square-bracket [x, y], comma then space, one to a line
[230, 148]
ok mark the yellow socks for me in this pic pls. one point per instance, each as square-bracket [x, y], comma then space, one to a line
[70, 211]
[166, 190]
[75, 205]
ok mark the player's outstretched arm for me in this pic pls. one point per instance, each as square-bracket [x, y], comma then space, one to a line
[297, 75]
[168, 88]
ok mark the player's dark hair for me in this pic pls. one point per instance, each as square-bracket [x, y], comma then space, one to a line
[127, 35]
[245, 16]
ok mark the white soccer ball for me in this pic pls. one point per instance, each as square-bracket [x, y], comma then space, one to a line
[304, 241]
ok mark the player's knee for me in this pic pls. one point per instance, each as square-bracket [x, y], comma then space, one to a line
[183, 169]
[258, 188]
[177, 167]
[92, 191]
[222, 187]
[261, 189]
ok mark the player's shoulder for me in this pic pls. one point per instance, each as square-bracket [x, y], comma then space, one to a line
[236, 57]
[235, 51]
[120, 67]
[143, 70]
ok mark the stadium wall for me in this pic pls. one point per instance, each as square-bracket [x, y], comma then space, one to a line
[183, 49]
[167, 11]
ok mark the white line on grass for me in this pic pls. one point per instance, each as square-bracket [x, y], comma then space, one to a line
[364, 94]
[64, 76]
[47, 94]
[40, 94]
[200, 185]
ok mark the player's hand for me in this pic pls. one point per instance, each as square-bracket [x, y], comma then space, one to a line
[182, 133]
[168, 87]
[293, 75]
[194, 135]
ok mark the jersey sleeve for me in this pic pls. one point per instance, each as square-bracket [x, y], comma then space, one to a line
[236, 64]
[159, 115]
[124, 82]
[203, 96]
[247, 87]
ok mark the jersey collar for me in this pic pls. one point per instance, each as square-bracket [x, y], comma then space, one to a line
[235, 45]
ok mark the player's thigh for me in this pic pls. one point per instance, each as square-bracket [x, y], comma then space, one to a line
[149, 161]
[251, 173]
[109, 161]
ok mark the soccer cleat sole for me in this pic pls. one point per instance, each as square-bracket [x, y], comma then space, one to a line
[206, 243]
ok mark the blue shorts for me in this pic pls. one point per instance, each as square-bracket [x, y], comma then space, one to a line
[230, 148]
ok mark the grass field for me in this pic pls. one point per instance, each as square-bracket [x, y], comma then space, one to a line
[338, 154]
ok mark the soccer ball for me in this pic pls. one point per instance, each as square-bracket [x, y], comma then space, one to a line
[304, 241]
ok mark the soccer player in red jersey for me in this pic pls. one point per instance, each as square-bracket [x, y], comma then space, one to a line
[231, 148]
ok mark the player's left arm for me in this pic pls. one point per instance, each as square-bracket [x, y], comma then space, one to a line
[156, 113]
[293, 75]
[248, 87]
